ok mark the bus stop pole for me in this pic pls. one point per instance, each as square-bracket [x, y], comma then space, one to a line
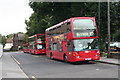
[108, 56]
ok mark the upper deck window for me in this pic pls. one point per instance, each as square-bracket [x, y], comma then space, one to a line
[84, 28]
[83, 24]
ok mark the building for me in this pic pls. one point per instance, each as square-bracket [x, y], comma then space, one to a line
[18, 41]
[9, 40]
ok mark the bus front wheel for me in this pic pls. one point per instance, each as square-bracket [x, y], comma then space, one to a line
[65, 58]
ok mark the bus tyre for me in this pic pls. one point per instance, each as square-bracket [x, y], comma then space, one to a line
[51, 57]
[65, 58]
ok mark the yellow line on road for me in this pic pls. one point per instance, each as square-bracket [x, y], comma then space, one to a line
[34, 77]
[15, 60]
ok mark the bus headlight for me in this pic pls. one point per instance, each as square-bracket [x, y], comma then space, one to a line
[96, 55]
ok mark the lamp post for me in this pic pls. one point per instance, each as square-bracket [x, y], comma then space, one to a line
[108, 56]
[99, 22]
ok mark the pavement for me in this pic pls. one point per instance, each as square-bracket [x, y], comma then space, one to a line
[1, 53]
[1, 50]
[109, 60]
[9, 68]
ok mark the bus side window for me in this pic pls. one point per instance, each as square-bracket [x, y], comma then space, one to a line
[68, 27]
[70, 46]
[52, 32]
[55, 46]
[58, 30]
[50, 46]
[60, 47]
[63, 28]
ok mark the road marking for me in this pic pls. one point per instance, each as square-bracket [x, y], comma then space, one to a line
[34, 77]
[15, 60]
[97, 69]
[35, 56]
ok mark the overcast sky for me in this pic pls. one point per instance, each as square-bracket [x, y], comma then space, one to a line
[12, 16]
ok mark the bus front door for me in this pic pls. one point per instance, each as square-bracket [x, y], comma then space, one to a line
[64, 46]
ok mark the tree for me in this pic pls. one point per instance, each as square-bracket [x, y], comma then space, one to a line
[50, 13]
[0, 38]
[10, 35]
[115, 16]
[4, 40]
[25, 40]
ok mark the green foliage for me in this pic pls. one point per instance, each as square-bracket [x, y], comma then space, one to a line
[4, 40]
[117, 35]
[0, 38]
[9, 35]
[25, 40]
[47, 14]
[115, 24]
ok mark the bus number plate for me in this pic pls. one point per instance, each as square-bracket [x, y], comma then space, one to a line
[87, 58]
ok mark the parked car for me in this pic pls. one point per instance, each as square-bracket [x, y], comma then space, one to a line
[115, 46]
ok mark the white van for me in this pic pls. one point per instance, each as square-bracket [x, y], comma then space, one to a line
[8, 46]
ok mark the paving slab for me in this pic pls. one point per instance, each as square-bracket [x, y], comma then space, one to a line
[1, 50]
[109, 60]
[9, 68]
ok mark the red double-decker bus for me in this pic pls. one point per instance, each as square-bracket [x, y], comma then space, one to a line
[26, 48]
[75, 39]
[37, 44]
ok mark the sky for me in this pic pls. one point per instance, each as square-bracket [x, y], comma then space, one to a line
[13, 14]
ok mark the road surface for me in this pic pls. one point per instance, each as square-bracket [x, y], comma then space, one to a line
[40, 66]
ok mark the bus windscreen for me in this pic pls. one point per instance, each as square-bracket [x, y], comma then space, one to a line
[85, 44]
